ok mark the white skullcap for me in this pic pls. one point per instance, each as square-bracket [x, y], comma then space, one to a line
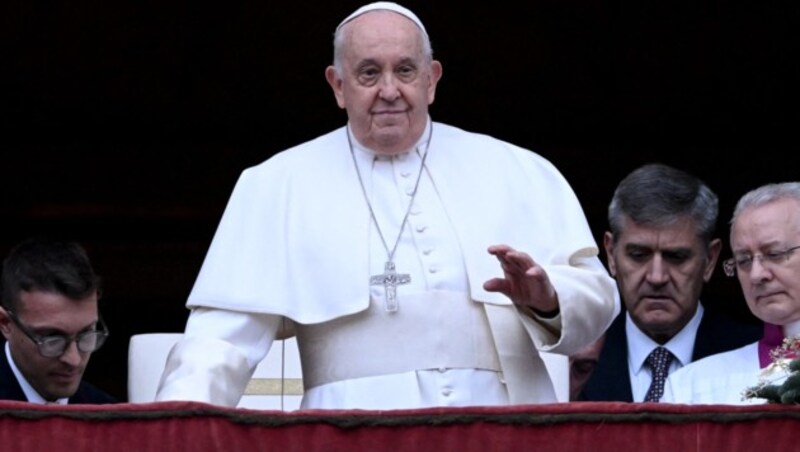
[387, 6]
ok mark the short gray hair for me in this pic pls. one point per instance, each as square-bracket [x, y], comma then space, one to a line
[658, 195]
[766, 194]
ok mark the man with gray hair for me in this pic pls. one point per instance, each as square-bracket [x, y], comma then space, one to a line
[389, 247]
[662, 250]
[765, 239]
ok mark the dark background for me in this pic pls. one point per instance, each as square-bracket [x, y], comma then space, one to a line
[125, 124]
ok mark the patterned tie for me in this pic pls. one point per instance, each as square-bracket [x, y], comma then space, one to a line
[659, 361]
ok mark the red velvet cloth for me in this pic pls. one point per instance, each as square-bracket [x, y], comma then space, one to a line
[584, 426]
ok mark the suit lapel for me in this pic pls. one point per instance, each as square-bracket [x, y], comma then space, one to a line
[9, 386]
[610, 380]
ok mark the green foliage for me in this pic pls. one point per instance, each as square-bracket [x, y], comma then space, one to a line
[771, 393]
[787, 392]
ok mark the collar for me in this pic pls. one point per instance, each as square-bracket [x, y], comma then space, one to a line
[681, 345]
[362, 151]
[30, 393]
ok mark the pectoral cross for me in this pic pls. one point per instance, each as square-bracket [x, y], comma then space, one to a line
[390, 279]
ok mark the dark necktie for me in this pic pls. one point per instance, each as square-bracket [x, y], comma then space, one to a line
[659, 361]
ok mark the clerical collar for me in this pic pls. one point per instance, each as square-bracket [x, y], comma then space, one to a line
[792, 329]
[420, 144]
[681, 345]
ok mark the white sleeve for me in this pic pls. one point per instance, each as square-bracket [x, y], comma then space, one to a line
[216, 358]
[252, 334]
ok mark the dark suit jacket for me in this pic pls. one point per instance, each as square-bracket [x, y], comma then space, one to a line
[11, 390]
[610, 380]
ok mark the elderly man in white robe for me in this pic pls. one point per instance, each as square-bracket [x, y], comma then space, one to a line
[378, 244]
[765, 239]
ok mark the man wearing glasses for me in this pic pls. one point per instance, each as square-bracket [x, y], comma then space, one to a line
[765, 241]
[50, 320]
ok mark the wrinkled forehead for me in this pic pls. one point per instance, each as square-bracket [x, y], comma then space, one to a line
[382, 38]
[772, 223]
[679, 231]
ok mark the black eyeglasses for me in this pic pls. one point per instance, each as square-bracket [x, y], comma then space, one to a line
[744, 263]
[56, 344]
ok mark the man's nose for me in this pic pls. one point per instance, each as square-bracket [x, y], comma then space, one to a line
[388, 89]
[71, 355]
[758, 272]
[657, 271]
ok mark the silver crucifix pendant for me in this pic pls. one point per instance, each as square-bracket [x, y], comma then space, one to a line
[390, 279]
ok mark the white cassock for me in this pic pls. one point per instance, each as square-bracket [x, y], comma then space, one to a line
[296, 247]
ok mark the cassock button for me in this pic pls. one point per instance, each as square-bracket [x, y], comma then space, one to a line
[421, 228]
[433, 269]
[446, 391]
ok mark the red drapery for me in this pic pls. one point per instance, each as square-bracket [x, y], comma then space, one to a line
[595, 427]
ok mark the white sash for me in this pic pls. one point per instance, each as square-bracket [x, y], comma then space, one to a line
[435, 330]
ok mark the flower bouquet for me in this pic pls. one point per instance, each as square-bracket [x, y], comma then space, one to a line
[785, 364]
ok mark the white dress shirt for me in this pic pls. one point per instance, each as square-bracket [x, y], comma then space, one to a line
[640, 345]
[30, 393]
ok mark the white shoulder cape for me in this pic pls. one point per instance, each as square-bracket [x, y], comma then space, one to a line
[292, 240]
